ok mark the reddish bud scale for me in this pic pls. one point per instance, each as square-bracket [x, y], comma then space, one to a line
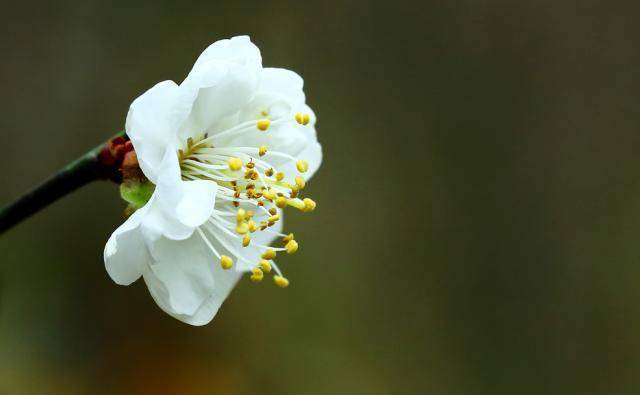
[115, 157]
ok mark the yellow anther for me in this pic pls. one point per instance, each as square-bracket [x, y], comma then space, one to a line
[287, 238]
[250, 165]
[269, 194]
[226, 262]
[291, 246]
[279, 176]
[264, 113]
[256, 275]
[309, 205]
[294, 192]
[281, 281]
[235, 164]
[263, 124]
[281, 201]
[305, 119]
[269, 172]
[297, 203]
[299, 118]
[240, 215]
[251, 174]
[262, 150]
[242, 228]
[269, 254]
[300, 183]
[274, 218]
[249, 213]
[246, 240]
[273, 211]
[265, 265]
[252, 226]
[302, 166]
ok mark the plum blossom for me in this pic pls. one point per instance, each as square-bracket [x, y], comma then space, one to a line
[227, 150]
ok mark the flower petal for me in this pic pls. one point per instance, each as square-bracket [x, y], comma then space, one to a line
[238, 50]
[177, 207]
[153, 121]
[225, 281]
[197, 202]
[209, 308]
[185, 267]
[126, 254]
[188, 283]
[283, 82]
[219, 89]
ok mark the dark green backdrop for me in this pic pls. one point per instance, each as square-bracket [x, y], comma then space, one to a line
[478, 207]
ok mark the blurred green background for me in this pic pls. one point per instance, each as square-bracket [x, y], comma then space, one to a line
[478, 206]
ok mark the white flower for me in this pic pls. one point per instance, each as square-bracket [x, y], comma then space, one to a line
[227, 150]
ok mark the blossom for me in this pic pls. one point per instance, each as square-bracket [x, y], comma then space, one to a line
[227, 150]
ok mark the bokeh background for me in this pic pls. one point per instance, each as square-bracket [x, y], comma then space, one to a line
[479, 204]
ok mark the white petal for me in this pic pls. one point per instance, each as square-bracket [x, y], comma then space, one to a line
[153, 121]
[197, 202]
[238, 50]
[159, 223]
[283, 82]
[219, 89]
[126, 254]
[225, 281]
[209, 308]
[188, 283]
[177, 207]
[185, 268]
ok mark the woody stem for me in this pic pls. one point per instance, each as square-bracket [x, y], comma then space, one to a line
[89, 167]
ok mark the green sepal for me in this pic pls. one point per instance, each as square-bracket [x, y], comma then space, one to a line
[136, 193]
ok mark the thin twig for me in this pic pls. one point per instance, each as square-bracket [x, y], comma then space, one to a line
[82, 171]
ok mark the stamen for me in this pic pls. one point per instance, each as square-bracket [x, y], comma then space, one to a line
[256, 183]
[302, 166]
[269, 254]
[309, 205]
[240, 215]
[287, 238]
[281, 281]
[256, 275]
[226, 262]
[291, 246]
[302, 119]
[252, 226]
[235, 164]
[281, 201]
[263, 124]
[265, 265]
[242, 228]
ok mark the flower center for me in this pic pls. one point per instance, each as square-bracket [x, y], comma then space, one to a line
[253, 194]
